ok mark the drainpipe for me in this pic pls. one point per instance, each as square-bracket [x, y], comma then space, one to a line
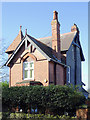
[69, 73]
[64, 66]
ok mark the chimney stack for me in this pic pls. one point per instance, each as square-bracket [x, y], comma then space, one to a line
[56, 34]
[55, 15]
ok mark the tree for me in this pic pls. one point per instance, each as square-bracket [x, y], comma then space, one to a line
[3, 58]
[3, 70]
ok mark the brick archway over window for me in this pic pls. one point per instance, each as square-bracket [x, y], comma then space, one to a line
[29, 55]
[24, 57]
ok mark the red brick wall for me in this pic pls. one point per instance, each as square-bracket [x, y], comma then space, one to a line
[59, 74]
[16, 68]
[43, 70]
[40, 67]
[51, 72]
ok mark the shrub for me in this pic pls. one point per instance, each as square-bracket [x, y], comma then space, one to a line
[40, 116]
[5, 115]
[56, 99]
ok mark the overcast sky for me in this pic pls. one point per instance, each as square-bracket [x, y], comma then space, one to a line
[37, 17]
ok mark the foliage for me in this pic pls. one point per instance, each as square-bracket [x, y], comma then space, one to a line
[57, 99]
[83, 106]
[5, 115]
[0, 115]
[62, 99]
[38, 116]
[4, 84]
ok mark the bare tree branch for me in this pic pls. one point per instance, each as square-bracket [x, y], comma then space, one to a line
[4, 74]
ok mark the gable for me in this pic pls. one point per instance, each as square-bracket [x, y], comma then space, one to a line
[42, 48]
[17, 50]
[77, 43]
[35, 55]
[38, 55]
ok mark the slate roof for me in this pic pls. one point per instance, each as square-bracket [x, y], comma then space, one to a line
[44, 45]
[46, 49]
[15, 43]
[66, 40]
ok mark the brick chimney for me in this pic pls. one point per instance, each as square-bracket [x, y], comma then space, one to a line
[56, 34]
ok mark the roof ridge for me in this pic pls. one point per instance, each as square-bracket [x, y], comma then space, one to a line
[45, 37]
[68, 33]
[60, 34]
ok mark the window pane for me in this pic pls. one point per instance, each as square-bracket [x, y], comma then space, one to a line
[25, 74]
[31, 72]
[28, 70]
[25, 65]
[31, 65]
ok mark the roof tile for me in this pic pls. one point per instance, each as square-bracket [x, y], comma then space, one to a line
[66, 40]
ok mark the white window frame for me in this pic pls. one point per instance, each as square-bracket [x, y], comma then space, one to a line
[28, 69]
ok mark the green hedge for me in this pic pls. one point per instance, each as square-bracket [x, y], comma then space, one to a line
[36, 116]
[57, 99]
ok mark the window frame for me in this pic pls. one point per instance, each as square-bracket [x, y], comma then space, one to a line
[28, 69]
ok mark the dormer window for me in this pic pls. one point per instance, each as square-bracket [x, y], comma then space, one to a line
[28, 70]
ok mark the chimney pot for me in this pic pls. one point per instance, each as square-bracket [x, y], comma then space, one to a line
[25, 31]
[20, 27]
[55, 15]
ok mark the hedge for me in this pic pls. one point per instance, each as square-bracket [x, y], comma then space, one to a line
[35, 116]
[57, 99]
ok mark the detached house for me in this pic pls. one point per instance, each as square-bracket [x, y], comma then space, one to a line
[49, 60]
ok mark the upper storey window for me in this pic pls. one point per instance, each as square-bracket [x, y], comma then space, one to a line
[28, 69]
